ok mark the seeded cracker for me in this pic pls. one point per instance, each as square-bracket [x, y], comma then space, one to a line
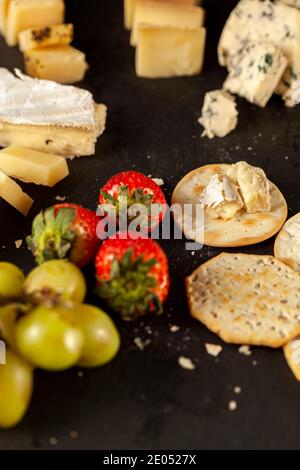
[292, 355]
[246, 299]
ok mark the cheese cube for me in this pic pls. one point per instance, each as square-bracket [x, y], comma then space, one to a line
[3, 14]
[24, 14]
[57, 35]
[129, 9]
[12, 193]
[169, 52]
[32, 166]
[256, 72]
[165, 14]
[62, 64]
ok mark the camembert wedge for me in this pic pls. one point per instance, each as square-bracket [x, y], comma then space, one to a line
[47, 116]
[32, 166]
[62, 64]
[35, 38]
[12, 193]
[24, 14]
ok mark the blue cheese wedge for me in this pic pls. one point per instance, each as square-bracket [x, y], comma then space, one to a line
[263, 21]
[253, 185]
[256, 72]
[219, 114]
[221, 195]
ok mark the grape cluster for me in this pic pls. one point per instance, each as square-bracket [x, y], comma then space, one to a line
[45, 324]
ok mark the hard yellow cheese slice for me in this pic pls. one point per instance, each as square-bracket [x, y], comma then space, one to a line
[57, 35]
[32, 166]
[24, 14]
[165, 14]
[12, 193]
[62, 64]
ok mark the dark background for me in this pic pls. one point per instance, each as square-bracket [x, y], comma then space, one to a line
[144, 400]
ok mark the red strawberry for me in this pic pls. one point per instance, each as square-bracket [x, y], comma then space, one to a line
[64, 231]
[132, 275]
[138, 189]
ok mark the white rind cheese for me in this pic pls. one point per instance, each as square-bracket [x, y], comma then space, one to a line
[254, 186]
[222, 195]
[263, 21]
[219, 114]
[164, 52]
[256, 72]
[165, 14]
[47, 116]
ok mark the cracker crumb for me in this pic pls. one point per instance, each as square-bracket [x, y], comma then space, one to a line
[245, 350]
[174, 328]
[193, 253]
[237, 390]
[80, 373]
[254, 362]
[213, 349]
[232, 405]
[18, 243]
[60, 198]
[158, 181]
[186, 363]
[73, 434]
[140, 344]
[53, 441]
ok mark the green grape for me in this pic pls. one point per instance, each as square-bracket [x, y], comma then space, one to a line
[16, 383]
[57, 277]
[102, 340]
[49, 338]
[11, 280]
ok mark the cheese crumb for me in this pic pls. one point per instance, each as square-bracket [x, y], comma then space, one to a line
[53, 441]
[237, 390]
[18, 243]
[245, 350]
[158, 181]
[232, 405]
[140, 344]
[60, 198]
[174, 328]
[73, 434]
[186, 363]
[213, 349]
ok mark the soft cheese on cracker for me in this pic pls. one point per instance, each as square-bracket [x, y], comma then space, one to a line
[253, 185]
[222, 195]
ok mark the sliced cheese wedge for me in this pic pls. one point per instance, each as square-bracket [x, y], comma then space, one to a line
[130, 5]
[62, 64]
[57, 35]
[32, 166]
[12, 193]
[164, 52]
[47, 116]
[165, 14]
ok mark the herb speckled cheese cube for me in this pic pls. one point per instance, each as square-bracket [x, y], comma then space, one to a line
[255, 73]
[219, 114]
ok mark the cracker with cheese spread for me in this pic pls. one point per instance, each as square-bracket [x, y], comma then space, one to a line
[241, 206]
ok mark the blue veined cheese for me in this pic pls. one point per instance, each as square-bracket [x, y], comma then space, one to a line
[221, 196]
[253, 185]
[219, 114]
[256, 72]
[263, 21]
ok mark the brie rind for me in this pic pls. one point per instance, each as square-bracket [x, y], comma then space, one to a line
[254, 186]
[48, 116]
[222, 196]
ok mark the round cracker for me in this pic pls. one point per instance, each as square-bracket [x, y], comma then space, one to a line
[246, 299]
[242, 229]
[287, 247]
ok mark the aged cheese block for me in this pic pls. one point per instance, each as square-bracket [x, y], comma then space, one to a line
[57, 35]
[169, 52]
[12, 193]
[165, 14]
[129, 9]
[47, 116]
[62, 64]
[256, 72]
[3, 14]
[24, 14]
[32, 166]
